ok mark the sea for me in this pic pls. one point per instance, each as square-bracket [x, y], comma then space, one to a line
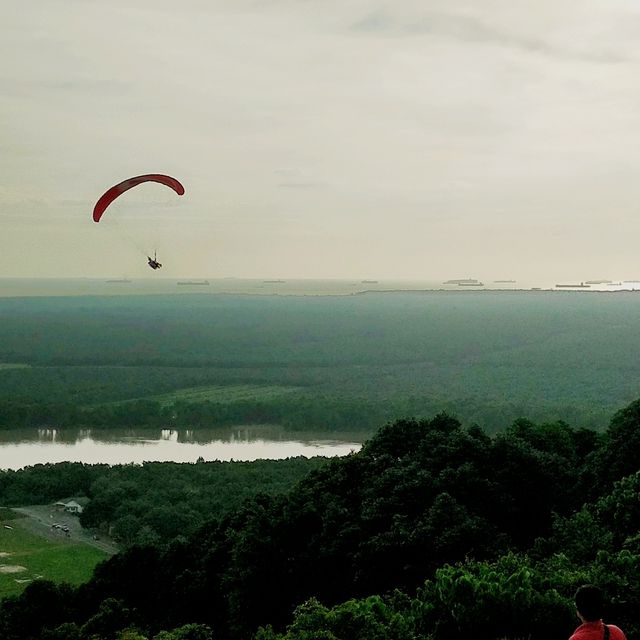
[25, 287]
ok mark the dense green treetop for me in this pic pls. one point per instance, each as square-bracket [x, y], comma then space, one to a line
[432, 530]
[338, 362]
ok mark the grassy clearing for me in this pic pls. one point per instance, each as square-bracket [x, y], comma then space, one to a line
[222, 394]
[25, 557]
[7, 514]
[14, 365]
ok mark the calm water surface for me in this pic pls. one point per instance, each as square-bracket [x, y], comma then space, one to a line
[21, 448]
[10, 287]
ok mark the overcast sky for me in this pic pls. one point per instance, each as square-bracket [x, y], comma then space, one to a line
[322, 138]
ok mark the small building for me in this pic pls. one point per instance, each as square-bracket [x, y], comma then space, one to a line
[69, 506]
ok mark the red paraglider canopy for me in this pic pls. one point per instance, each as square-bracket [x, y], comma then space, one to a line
[107, 198]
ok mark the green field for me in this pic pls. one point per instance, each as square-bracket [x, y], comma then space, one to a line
[220, 393]
[25, 556]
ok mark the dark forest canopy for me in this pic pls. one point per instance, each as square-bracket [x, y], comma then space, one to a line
[332, 362]
[432, 530]
[154, 502]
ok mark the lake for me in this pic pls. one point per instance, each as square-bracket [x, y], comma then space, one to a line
[21, 448]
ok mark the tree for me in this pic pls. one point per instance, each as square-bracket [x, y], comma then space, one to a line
[187, 632]
[111, 617]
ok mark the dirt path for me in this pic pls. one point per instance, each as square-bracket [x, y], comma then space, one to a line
[40, 519]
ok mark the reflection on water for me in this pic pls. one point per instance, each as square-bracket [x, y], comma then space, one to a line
[27, 447]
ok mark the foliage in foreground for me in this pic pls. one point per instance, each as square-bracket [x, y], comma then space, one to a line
[155, 502]
[513, 597]
[430, 531]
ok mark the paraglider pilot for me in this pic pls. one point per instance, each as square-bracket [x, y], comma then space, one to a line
[153, 263]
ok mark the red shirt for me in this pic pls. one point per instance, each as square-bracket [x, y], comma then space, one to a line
[595, 631]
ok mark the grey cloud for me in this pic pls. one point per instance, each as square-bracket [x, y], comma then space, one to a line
[73, 203]
[291, 173]
[422, 122]
[19, 87]
[472, 29]
[302, 185]
[374, 22]
[84, 83]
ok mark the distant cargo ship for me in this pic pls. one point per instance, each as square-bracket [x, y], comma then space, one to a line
[471, 284]
[198, 282]
[598, 282]
[614, 284]
[582, 285]
[461, 281]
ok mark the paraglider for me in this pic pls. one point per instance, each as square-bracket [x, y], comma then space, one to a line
[153, 263]
[109, 196]
[114, 192]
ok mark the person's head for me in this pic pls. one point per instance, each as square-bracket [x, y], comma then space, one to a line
[589, 603]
